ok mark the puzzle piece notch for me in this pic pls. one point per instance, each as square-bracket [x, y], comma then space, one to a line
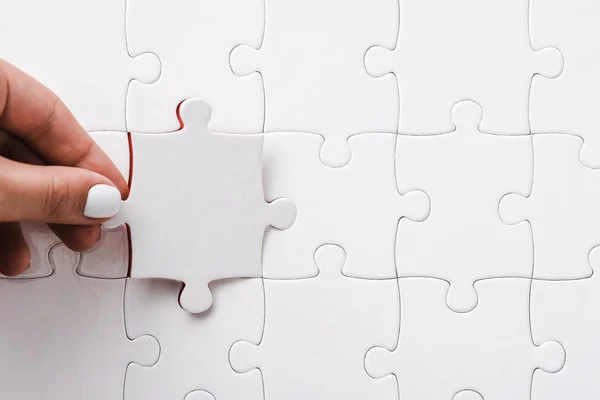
[443, 337]
[217, 204]
[562, 208]
[463, 240]
[326, 196]
[317, 331]
[427, 92]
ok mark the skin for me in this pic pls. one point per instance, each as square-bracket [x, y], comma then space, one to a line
[48, 163]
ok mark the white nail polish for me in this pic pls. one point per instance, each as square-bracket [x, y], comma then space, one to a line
[103, 201]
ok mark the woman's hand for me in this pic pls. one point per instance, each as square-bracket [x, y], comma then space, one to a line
[50, 171]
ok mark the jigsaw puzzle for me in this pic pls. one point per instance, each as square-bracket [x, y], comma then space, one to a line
[394, 200]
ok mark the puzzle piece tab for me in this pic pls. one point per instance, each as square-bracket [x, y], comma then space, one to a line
[197, 211]
[64, 335]
[317, 332]
[313, 70]
[78, 49]
[465, 173]
[489, 349]
[448, 51]
[357, 206]
[563, 208]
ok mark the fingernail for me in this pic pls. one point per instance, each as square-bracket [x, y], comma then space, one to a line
[103, 201]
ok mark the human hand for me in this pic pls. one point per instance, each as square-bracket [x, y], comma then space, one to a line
[50, 171]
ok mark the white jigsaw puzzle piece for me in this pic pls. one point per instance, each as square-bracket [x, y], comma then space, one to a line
[194, 347]
[489, 349]
[563, 208]
[317, 332]
[465, 173]
[313, 70]
[78, 49]
[65, 336]
[568, 311]
[196, 210]
[357, 206]
[194, 40]
[448, 51]
[570, 103]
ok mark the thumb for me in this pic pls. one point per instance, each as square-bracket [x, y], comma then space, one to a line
[55, 194]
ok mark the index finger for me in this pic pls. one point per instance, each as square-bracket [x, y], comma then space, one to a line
[32, 112]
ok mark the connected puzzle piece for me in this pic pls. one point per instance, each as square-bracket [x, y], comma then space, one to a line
[196, 210]
[448, 51]
[563, 208]
[194, 40]
[357, 206]
[78, 49]
[465, 173]
[441, 352]
[570, 103]
[313, 70]
[194, 347]
[63, 336]
[317, 331]
[568, 311]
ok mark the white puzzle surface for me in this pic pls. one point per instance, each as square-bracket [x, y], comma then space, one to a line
[392, 200]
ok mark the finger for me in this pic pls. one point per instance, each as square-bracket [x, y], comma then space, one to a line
[15, 149]
[15, 257]
[77, 237]
[32, 112]
[53, 194]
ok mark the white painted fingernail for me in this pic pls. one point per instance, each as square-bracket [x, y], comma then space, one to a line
[103, 201]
